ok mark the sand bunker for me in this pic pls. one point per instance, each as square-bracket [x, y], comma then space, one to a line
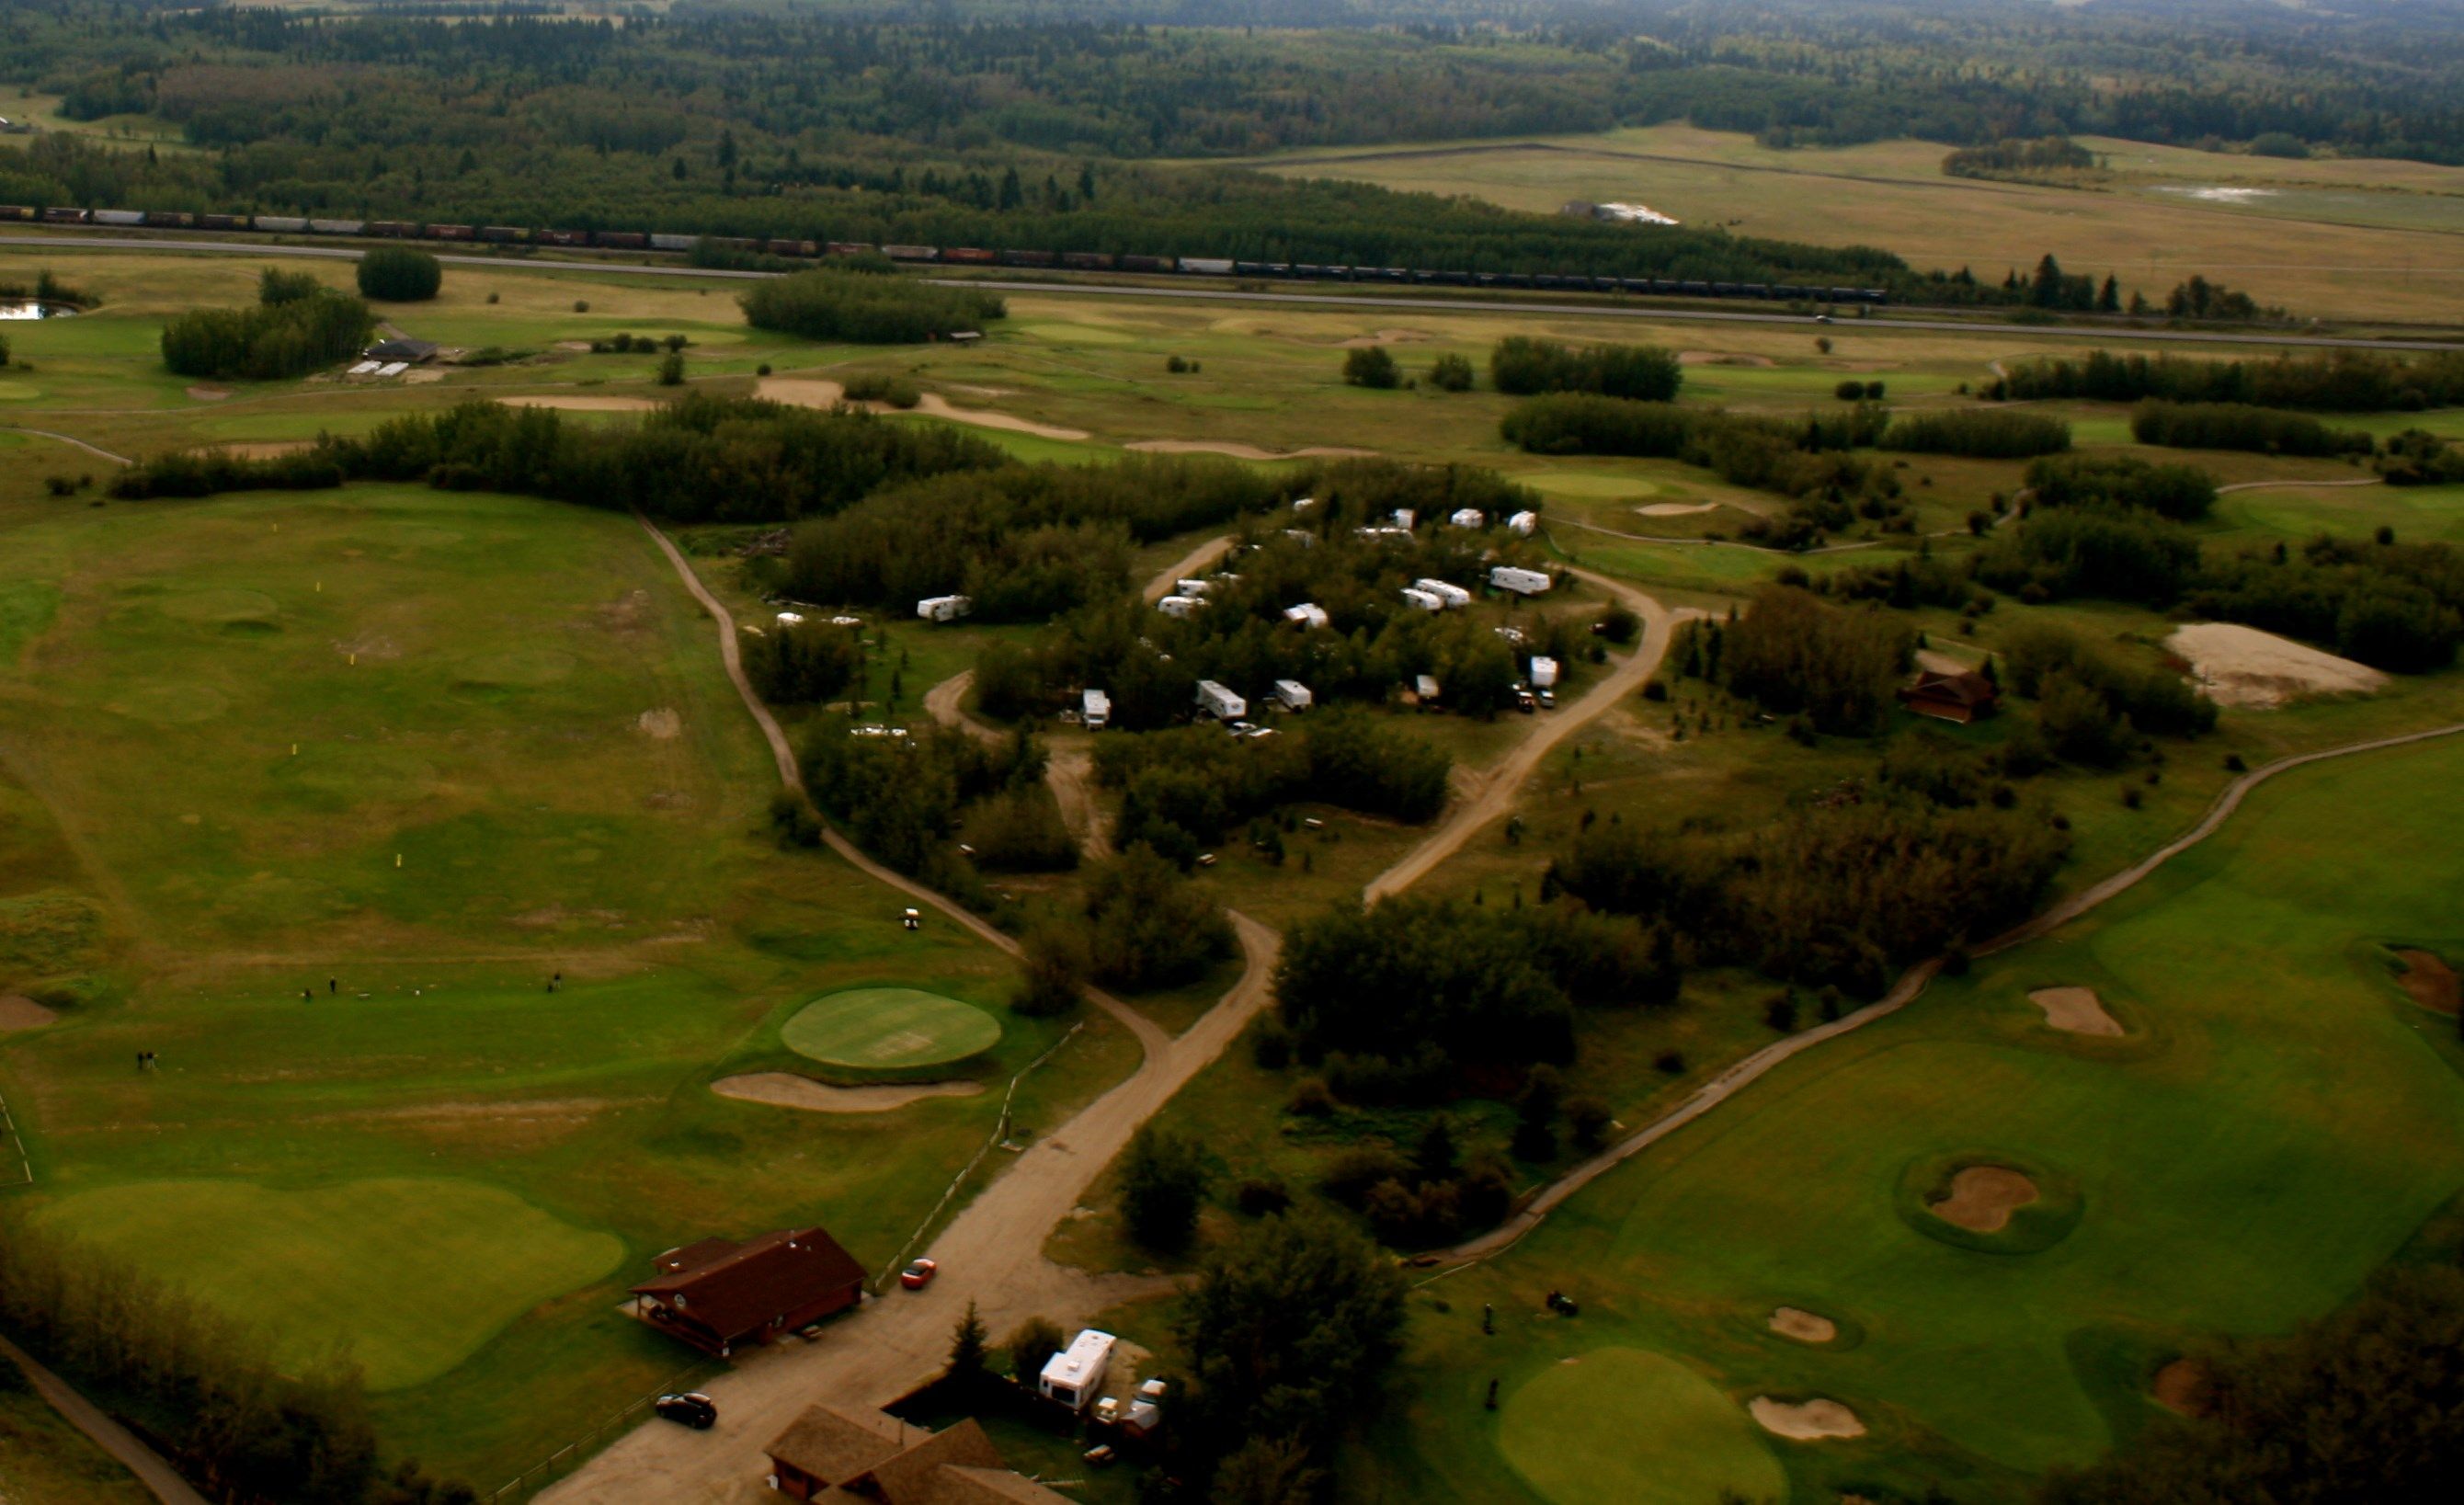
[2431, 981]
[1242, 452]
[581, 404]
[2245, 667]
[2182, 1388]
[1382, 337]
[265, 449]
[2075, 1009]
[660, 725]
[1809, 1421]
[1804, 1326]
[1721, 357]
[787, 1089]
[209, 394]
[17, 1011]
[1982, 1198]
[1675, 509]
[812, 391]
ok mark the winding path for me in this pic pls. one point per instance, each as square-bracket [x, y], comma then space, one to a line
[109, 1435]
[96, 450]
[1911, 983]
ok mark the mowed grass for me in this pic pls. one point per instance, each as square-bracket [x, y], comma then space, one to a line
[2364, 240]
[405, 1278]
[2278, 1124]
[1569, 1432]
[890, 1029]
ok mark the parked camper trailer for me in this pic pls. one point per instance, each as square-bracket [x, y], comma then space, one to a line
[1523, 523]
[1544, 673]
[1455, 597]
[1308, 613]
[1292, 695]
[1522, 581]
[1094, 710]
[1191, 588]
[1220, 702]
[943, 609]
[1405, 518]
[1423, 600]
[1074, 1375]
[1180, 605]
[1469, 517]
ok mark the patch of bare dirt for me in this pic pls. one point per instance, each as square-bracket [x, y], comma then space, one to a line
[264, 448]
[1983, 1197]
[1383, 337]
[2075, 1010]
[574, 403]
[1807, 1421]
[209, 394]
[577, 347]
[1675, 509]
[787, 1089]
[2242, 666]
[17, 1011]
[421, 376]
[2182, 1388]
[813, 391]
[1806, 1327]
[660, 725]
[1721, 357]
[1242, 452]
[2431, 981]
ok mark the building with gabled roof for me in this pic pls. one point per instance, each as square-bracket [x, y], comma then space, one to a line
[840, 1457]
[719, 1295]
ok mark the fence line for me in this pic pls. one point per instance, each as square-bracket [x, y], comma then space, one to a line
[25, 1162]
[575, 1447]
[1001, 1132]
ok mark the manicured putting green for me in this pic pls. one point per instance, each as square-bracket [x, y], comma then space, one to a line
[409, 1275]
[890, 1029]
[1626, 1426]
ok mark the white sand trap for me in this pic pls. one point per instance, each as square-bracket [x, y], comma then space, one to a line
[17, 1011]
[814, 392]
[787, 1089]
[1806, 1327]
[2245, 667]
[2077, 1010]
[1983, 1197]
[932, 405]
[1675, 509]
[802, 391]
[1242, 452]
[1810, 1421]
[581, 404]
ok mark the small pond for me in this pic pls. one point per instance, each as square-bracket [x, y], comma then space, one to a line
[31, 308]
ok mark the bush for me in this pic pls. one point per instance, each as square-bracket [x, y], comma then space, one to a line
[1033, 1345]
[275, 286]
[1372, 365]
[1620, 625]
[672, 369]
[1164, 1178]
[400, 275]
[1450, 373]
[863, 309]
[1053, 972]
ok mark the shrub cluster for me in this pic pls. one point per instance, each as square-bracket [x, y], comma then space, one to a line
[1184, 790]
[2183, 493]
[862, 308]
[1793, 655]
[2238, 426]
[1520, 365]
[805, 663]
[400, 275]
[269, 342]
[1976, 432]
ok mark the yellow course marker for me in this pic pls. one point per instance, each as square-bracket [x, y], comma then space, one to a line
[397, 859]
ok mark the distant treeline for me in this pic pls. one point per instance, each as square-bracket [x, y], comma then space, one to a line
[1976, 432]
[2017, 158]
[859, 308]
[2334, 381]
[2238, 426]
[697, 460]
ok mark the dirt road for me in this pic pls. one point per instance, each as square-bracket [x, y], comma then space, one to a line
[1502, 783]
[1184, 568]
[1910, 986]
[1069, 767]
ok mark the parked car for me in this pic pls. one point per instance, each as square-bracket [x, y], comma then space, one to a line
[688, 1407]
[918, 1273]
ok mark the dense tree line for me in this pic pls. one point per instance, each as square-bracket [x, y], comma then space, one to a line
[697, 460]
[1522, 365]
[2367, 1403]
[1023, 542]
[2238, 426]
[207, 1389]
[290, 332]
[2333, 380]
[1182, 791]
[2183, 493]
[1976, 432]
[1417, 1000]
[860, 309]
[1794, 655]
[2393, 606]
[2044, 157]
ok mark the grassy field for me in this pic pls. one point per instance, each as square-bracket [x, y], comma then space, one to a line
[2279, 1121]
[2345, 240]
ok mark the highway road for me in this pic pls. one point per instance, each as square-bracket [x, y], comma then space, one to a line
[1213, 294]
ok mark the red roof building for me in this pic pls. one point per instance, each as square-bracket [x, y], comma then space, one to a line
[719, 1295]
[1960, 697]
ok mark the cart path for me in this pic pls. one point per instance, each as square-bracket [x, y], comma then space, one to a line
[1501, 784]
[1186, 566]
[1911, 983]
[96, 450]
[1068, 768]
[2298, 485]
[109, 1435]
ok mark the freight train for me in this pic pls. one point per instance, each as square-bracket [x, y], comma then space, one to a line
[946, 256]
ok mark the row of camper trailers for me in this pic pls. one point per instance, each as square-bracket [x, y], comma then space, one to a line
[950, 255]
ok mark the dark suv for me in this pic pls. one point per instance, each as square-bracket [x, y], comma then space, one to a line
[691, 1407]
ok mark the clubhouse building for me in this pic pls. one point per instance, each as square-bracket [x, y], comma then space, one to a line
[720, 1295]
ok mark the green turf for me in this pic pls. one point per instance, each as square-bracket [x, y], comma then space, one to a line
[404, 1277]
[1570, 1431]
[890, 1029]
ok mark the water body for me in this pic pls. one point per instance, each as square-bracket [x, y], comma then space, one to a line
[30, 308]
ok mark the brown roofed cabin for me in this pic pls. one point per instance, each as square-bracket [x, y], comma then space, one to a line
[833, 1455]
[1960, 697]
[718, 1296]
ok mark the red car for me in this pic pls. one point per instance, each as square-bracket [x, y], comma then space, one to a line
[919, 1274]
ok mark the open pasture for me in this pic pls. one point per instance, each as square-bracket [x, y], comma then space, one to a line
[2277, 1122]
